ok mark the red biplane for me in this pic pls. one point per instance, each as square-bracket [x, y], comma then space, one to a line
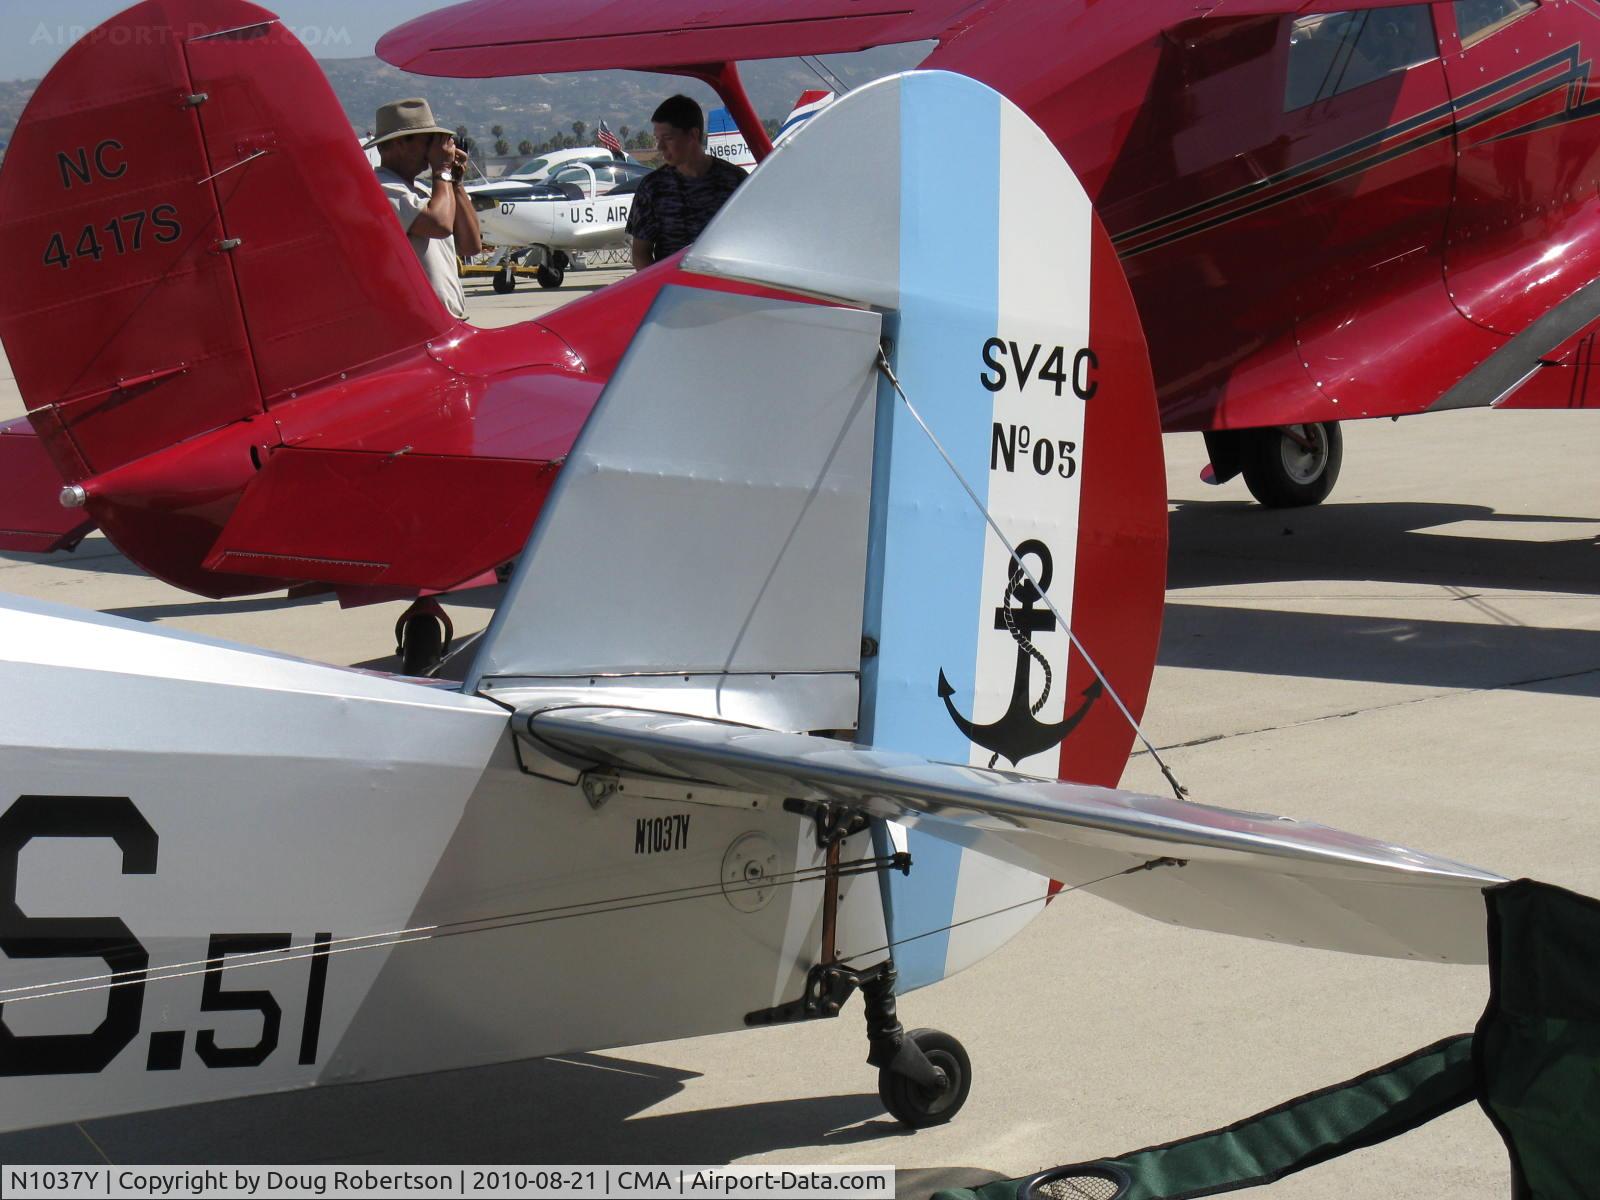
[1327, 210]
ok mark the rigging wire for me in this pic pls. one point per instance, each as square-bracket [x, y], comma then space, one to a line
[887, 371]
[424, 933]
[825, 73]
[1150, 865]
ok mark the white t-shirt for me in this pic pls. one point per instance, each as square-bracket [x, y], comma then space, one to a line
[437, 255]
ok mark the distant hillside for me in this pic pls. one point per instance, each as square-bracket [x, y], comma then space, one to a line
[538, 107]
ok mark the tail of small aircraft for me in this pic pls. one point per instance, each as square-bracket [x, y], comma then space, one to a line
[828, 491]
[724, 141]
[936, 544]
[199, 239]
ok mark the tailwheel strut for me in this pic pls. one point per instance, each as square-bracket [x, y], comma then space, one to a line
[422, 635]
[924, 1076]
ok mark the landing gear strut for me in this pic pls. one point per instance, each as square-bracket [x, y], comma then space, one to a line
[422, 635]
[553, 270]
[924, 1076]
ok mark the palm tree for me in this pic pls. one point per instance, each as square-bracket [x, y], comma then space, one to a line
[525, 148]
[579, 128]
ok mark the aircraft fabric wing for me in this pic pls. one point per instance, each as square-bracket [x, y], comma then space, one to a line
[484, 38]
[1188, 864]
[505, 37]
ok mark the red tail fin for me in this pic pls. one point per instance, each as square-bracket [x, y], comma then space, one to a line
[188, 233]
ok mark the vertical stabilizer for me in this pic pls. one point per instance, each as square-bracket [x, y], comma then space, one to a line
[189, 233]
[1016, 340]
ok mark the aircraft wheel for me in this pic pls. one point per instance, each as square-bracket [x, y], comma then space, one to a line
[917, 1106]
[550, 277]
[424, 634]
[561, 260]
[505, 279]
[1291, 466]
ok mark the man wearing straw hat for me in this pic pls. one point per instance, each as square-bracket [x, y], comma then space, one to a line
[441, 224]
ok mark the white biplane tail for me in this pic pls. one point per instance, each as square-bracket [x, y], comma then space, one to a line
[794, 620]
[916, 507]
[724, 141]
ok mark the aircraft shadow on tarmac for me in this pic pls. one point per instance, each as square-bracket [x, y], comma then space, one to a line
[94, 554]
[578, 1108]
[1218, 544]
[565, 288]
[1446, 654]
[1214, 543]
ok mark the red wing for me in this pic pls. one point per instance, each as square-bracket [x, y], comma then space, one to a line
[1253, 8]
[1563, 377]
[508, 37]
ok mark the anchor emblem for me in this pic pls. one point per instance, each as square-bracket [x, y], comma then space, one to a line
[1018, 734]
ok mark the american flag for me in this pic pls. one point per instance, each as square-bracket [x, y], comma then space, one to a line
[609, 140]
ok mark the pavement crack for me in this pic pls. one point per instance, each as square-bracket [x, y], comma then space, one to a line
[1356, 712]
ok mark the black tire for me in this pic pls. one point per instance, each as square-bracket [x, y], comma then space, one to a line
[421, 644]
[1281, 473]
[550, 277]
[505, 280]
[561, 260]
[919, 1107]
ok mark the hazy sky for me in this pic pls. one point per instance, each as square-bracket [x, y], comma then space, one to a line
[34, 33]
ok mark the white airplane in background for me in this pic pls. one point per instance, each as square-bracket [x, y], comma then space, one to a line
[541, 167]
[581, 202]
[581, 205]
[725, 754]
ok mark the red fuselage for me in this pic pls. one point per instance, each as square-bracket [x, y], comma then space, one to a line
[1322, 217]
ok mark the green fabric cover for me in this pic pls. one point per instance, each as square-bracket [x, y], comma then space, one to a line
[1282, 1140]
[1533, 1064]
[1537, 1050]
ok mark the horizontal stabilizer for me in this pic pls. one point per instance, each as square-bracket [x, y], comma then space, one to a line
[31, 516]
[401, 520]
[1208, 868]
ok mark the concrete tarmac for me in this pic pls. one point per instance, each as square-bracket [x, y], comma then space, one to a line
[1418, 659]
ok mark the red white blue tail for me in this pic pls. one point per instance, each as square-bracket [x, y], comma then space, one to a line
[1030, 372]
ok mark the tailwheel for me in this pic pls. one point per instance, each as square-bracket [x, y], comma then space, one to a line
[422, 635]
[921, 1104]
[1290, 466]
[550, 277]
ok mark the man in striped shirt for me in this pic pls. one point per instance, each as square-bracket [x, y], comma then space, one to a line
[677, 200]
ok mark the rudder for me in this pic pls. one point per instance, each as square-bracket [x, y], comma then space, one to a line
[198, 239]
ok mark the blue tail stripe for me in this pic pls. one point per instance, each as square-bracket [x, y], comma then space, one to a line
[926, 545]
